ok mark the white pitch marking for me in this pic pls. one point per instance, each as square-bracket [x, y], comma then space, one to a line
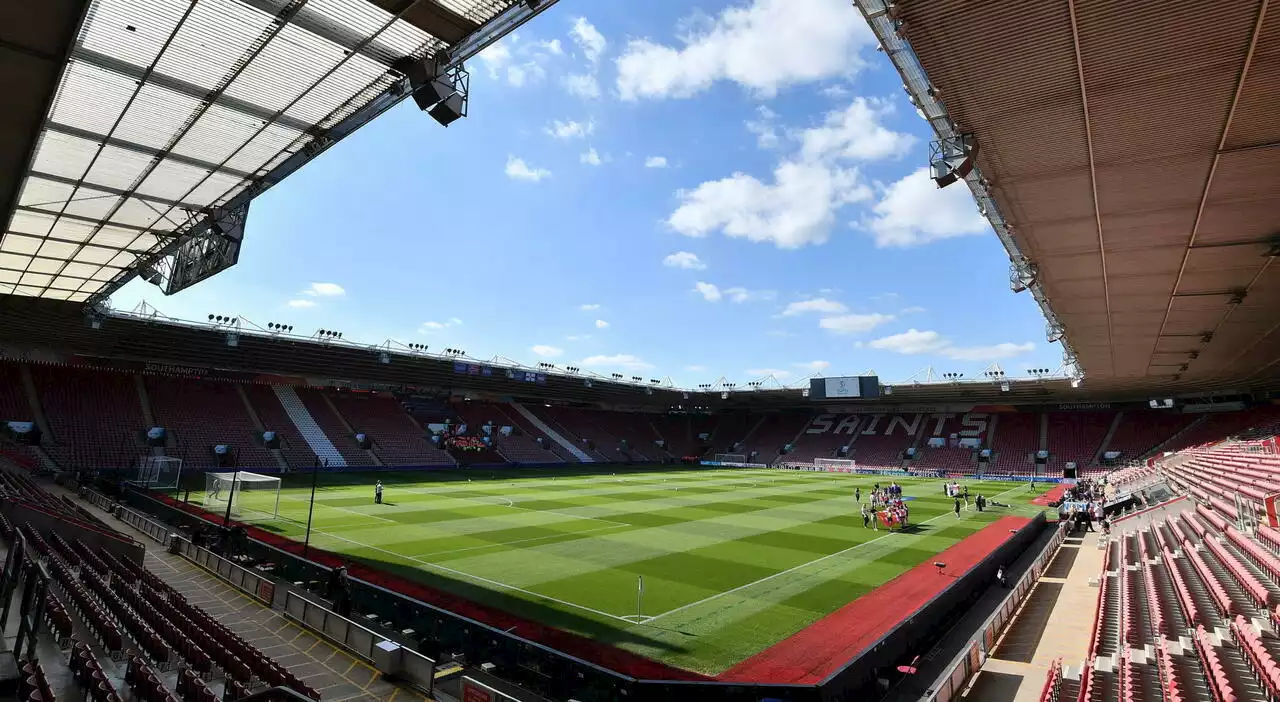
[519, 541]
[802, 565]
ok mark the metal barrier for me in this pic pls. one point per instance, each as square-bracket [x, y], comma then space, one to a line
[101, 501]
[256, 586]
[386, 655]
[157, 531]
[976, 653]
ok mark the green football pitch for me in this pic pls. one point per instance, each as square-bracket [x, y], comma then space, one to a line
[732, 561]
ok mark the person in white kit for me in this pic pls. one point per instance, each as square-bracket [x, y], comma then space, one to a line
[377, 493]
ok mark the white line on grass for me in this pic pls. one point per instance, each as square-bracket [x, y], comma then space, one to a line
[795, 568]
[487, 581]
[342, 509]
[518, 541]
[512, 505]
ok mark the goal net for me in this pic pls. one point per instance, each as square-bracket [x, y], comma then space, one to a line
[159, 472]
[835, 465]
[731, 458]
[251, 495]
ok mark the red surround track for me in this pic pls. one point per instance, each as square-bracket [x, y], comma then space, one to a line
[1053, 494]
[814, 653]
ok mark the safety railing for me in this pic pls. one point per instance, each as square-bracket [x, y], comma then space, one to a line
[157, 531]
[243, 579]
[385, 654]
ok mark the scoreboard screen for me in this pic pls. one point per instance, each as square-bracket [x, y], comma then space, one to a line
[844, 388]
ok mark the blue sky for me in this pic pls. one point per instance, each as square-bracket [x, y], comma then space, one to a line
[726, 189]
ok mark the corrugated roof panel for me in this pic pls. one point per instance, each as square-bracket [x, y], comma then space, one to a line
[88, 203]
[172, 180]
[233, 27]
[285, 68]
[155, 116]
[258, 153]
[17, 244]
[118, 167]
[335, 90]
[131, 30]
[38, 192]
[217, 135]
[475, 10]
[44, 265]
[63, 155]
[8, 277]
[216, 186]
[41, 279]
[363, 19]
[91, 98]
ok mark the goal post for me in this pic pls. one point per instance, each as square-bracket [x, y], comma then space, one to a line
[159, 472]
[731, 458]
[251, 495]
[835, 465]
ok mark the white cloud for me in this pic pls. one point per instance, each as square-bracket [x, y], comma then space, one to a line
[684, 259]
[745, 295]
[589, 39]
[855, 133]
[601, 324]
[655, 162]
[589, 307]
[583, 85]
[525, 73]
[437, 326]
[571, 129]
[814, 366]
[764, 372]
[854, 323]
[552, 47]
[819, 304]
[835, 91]
[797, 209]
[546, 351]
[914, 342]
[809, 188]
[591, 157]
[325, 290]
[765, 128]
[764, 46]
[709, 292]
[301, 304]
[625, 361]
[496, 57]
[914, 211]
[517, 169]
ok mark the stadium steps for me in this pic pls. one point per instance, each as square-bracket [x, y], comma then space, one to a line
[33, 399]
[1179, 434]
[307, 426]
[1106, 440]
[328, 401]
[261, 428]
[145, 400]
[552, 433]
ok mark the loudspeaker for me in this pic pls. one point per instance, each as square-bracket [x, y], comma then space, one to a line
[224, 456]
[364, 441]
[270, 439]
[449, 110]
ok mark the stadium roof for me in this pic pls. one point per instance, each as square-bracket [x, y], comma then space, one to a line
[1129, 157]
[135, 125]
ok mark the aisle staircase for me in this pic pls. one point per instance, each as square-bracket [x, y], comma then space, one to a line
[307, 426]
[552, 433]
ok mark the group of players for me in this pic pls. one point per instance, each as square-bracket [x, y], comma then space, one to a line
[885, 506]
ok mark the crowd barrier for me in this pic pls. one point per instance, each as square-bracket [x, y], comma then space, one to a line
[155, 530]
[386, 655]
[256, 586]
[968, 662]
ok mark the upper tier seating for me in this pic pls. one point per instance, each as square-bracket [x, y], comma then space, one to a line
[397, 439]
[1076, 437]
[202, 414]
[95, 416]
[297, 453]
[331, 423]
[1017, 438]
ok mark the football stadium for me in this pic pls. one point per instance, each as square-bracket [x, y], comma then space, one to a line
[222, 508]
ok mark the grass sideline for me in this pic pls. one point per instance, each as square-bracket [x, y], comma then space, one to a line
[733, 561]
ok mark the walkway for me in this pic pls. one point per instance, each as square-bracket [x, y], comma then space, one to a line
[1055, 621]
[338, 676]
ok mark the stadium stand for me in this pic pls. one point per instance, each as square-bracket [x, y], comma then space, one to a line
[1016, 440]
[318, 406]
[201, 414]
[95, 416]
[884, 438]
[950, 457]
[397, 439]
[274, 418]
[1141, 432]
[573, 426]
[772, 433]
[1074, 437]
